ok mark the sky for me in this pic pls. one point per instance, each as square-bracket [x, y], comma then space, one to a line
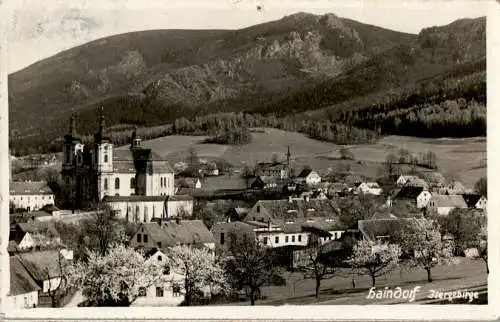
[41, 28]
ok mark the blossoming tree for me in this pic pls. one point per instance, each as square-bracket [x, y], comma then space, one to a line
[373, 259]
[114, 279]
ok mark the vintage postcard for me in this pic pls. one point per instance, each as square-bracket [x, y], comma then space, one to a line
[248, 159]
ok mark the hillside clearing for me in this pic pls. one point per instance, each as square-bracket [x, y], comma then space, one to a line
[461, 157]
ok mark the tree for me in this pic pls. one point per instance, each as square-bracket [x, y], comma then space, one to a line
[315, 263]
[373, 259]
[346, 154]
[102, 229]
[404, 156]
[275, 159]
[250, 264]
[390, 165]
[247, 174]
[431, 160]
[465, 225]
[421, 240]
[482, 245]
[200, 269]
[115, 278]
[192, 158]
[481, 186]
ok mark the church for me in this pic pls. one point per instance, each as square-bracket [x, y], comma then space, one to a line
[133, 180]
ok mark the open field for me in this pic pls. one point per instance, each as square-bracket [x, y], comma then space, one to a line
[461, 157]
[466, 275]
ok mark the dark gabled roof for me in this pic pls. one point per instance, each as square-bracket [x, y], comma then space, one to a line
[123, 166]
[471, 199]
[37, 227]
[17, 236]
[371, 229]
[299, 208]
[41, 265]
[456, 201]
[30, 188]
[318, 225]
[20, 280]
[304, 173]
[186, 182]
[383, 215]
[407, 192]
[127, 159]
[186, 232]
[161, 166]
[179, 198]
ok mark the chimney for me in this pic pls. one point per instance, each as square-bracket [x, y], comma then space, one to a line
[269, 223]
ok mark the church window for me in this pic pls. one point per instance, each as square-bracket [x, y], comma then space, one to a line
[117, 183]
[106, 158]
[132, 183]
[105, 184]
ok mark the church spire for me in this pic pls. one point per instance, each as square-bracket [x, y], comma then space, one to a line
[102, 122]
[72, 125]
[288, 157]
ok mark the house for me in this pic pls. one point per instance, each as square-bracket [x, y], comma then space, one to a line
[144, 208]
[222, 233]
[404, 179]
[30, 217]
[162, 293]
[371, 188]
[164, 234]
[22, 240]
[30, 195]
[291, 234]
[434, 179]
[264, 182]
[277, 170]
[475, 201]
[44, 267]
[308, 177]
[413, 181]
[455, 188]
[237, 213]
[423, 199]
[23, 288]
[444, 204]
[268, 210]
[187, 183]
[382, 229]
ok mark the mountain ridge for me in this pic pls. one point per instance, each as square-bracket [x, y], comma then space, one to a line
[258, 69]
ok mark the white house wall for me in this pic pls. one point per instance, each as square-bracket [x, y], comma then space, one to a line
[51, 284]
[24, 301]
[423, 199]
[137, 210]
[32, 202]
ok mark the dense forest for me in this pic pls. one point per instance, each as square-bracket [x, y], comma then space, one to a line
[452, 104]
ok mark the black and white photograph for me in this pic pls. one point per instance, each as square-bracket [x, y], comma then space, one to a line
[171, 155]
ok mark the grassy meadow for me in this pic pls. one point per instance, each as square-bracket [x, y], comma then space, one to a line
[464, 158]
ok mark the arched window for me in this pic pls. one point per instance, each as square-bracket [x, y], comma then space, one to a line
[105, 184]
[132, 183]
[117, 183]
[106, 158]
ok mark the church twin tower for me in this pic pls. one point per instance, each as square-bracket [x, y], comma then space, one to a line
[94, 171]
